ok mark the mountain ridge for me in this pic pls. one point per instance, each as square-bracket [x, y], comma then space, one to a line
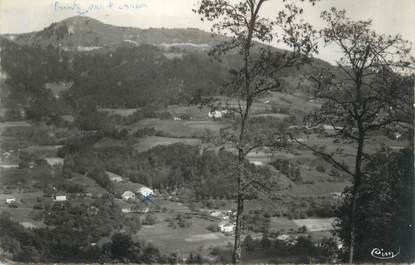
[85, 31]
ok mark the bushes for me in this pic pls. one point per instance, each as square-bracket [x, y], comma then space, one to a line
[194, 259]
[212, 228]
[72, 237]
[182, 221]
[185, 116]
[165, 115]
[321, 168]
[149, 220]
[132, 224]
[146, 131]
[289, 168]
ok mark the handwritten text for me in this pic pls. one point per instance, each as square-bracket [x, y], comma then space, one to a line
[108, 5]
[382, 254]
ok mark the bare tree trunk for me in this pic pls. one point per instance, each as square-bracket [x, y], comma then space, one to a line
[237, 248]
[355, 191]
[352, 227]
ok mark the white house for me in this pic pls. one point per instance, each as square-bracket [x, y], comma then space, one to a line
[336, 195]
[217, 114]
[219, 214]
[216, 213]
[10, 200]
[283, 237]
[128, 195]
[226, 227]
[126, 210]
[257, 163]
[145, 191]
[54, 161]
[60, 198]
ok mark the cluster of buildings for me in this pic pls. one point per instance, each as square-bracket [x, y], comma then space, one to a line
[143, 193]
[217, 114]
[226, 225]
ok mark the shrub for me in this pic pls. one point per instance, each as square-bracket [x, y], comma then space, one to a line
[165, 115]
[185, 116]
[320, 168]
[302, 229]
[212, 228]
[249, 243]
[149, 220]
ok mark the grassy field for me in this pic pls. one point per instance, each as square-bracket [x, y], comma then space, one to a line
[168, 127]
[152, 141]
[90, 184]
[24, 210]
[9, 124]
[107, 142]
[26, 198]
[207, 125]
[195, 238]
[180, 128]
[21, 214]
[272, 115]
[282, 223]
[316, 225]
[318, 189]
[195, 112]
[119, 111]
[42, 149]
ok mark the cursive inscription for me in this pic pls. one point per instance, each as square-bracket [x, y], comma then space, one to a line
[383, 254]
[107, 5]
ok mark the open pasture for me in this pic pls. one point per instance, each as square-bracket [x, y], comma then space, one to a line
[316, 225]
[207, 125]
[151, 141]
[195, 238]
[10, 124]
[119, 111]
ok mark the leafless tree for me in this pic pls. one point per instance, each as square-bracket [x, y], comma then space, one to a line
[259, 71]
[367, 93]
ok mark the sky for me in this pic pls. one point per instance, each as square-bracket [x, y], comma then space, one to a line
[19, 16]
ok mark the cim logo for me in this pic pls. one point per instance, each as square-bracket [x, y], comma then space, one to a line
[379, 253]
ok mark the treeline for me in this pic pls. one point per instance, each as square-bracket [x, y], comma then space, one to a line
[75, 233]
[384, 218]
[172, 167]
[129, 77]
[301, 249]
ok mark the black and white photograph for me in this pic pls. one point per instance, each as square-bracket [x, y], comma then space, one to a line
[207, 132]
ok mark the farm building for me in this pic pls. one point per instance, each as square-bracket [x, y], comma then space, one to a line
[10, 200]
[336, 195]
[257, 163]
[219, 214]
[126, 210]
[226, 227]
[145, 192]
[128, 195]
[60, 198]
[54, 161]
[288, 239]
[217, 114]
[283, 237]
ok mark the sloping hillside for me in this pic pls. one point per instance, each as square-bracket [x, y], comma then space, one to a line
[119, 67]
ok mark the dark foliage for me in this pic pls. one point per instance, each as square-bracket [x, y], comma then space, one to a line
[385, 213]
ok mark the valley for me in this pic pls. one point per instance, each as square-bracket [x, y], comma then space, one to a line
[87, 127]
